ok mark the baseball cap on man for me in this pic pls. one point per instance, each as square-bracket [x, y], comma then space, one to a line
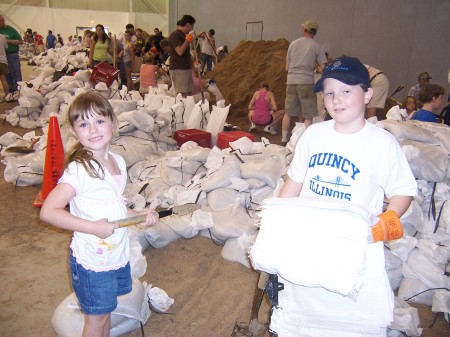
[348, 70]
[424, 76]
[311, 26]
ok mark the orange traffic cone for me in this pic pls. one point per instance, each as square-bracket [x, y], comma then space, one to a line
[54, 161]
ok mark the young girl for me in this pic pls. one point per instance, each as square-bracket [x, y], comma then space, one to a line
[149, 73]
[93, 183]
[262, 110]
[410, 105]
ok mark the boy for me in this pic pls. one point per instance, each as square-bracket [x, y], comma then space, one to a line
[431, 95]
[372, 165]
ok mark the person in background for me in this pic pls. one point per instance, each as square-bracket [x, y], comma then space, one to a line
[38, 43]
[263, 110]
[423, 78]
[149, 74]
[99, 46]
[180, 55]
[303, 56]
[99, 256]
[208, 49]
[410, 105]
[3, 65]
[14, 75]
[140, 43]
[380, 86]
[221, 52]
[60, 40]
[128, 58]
[158, 37]
[50, 40]
[431, 96]
[87, 35]
[376, 168]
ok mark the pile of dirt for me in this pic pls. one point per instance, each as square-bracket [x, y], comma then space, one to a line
[239, 74]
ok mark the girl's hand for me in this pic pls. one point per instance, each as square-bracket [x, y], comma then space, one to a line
[152, 219]
[102, 228]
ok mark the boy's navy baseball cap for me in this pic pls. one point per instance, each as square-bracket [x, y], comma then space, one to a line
[348, 70]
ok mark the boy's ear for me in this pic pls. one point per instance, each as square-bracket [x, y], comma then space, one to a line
[368, 95]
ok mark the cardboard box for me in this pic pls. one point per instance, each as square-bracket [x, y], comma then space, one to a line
[202, 138]
[224, 138]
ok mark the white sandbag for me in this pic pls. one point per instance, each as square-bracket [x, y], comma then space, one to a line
[414, 291]
[441, 301]
[268, 170]
[393, 266]
[180, 225]
[232, 222]
[160, 235]
[283, 238]
[192, 151]
[409, 131]
[189, 104]
[297, 132]
[437, 254]
[120, 106]
[406, 319]
[132, 149]
[397, 114]
[216, 122]
[138, 262]
[224, 197]
[172, 176]
[159, 298]
[222, 177]
[427, 162]
[132, 308]
[9, 138]
[139, 119]
[199, 116]
[146, 169]
[422, 268]
[236, 249]
[402, 247]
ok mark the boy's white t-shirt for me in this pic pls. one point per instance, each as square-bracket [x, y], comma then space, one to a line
[360, 168]
[96, 199]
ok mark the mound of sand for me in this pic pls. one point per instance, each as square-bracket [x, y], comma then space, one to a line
[239, 74]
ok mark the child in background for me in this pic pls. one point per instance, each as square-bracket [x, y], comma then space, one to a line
[93, 183]
[3, 65]
[431, 96]
[263, 110]
[375, 167]
[410, 105]
[149, 74]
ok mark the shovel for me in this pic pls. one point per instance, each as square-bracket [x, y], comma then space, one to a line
[254, 328]
[174, 211]
[22, 149]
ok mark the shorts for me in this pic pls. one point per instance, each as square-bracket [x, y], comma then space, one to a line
[182, 80]
[380, 86]
[4, 69]
[264, 124]
[301, 101]
[97, 291]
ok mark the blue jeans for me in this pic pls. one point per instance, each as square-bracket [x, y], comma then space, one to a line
[15, 74]
[207, 60]
[97, 291]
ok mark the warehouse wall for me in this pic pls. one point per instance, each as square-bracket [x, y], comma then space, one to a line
[400, 37]
[65, 21]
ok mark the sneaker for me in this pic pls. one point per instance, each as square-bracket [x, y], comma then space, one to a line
[284, 142]
[16, 95]
[270, 130]
[9, 97]
[252, 127]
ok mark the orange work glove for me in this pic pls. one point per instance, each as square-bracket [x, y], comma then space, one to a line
[388, 228]
[189, 38]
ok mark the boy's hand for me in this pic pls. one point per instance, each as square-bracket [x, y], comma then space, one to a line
[151, 219]
[102, 228]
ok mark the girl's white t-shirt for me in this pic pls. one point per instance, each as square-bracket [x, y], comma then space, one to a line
[96, 199]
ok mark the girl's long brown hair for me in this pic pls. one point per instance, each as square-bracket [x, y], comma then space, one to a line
[84, 106]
